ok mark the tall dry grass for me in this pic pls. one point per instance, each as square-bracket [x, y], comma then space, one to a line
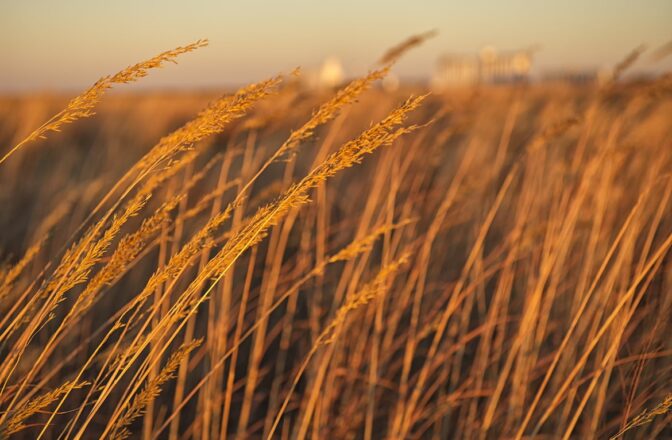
[487, 263]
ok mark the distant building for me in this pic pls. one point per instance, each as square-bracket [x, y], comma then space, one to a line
[390, 83]
[488, 67]
[329, 75]
[456, 70]
[577, 76]
[569, 76]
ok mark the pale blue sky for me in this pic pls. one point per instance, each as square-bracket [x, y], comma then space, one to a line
[49, 44]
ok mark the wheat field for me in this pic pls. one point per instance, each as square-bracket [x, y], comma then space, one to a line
[356, 263]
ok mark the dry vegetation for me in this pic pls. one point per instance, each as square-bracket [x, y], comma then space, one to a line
[488, 263]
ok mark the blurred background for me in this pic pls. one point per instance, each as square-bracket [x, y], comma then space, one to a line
[529, 221]
[65, 46]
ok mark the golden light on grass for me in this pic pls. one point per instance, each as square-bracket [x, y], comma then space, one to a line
[82, 106]
[279, 262]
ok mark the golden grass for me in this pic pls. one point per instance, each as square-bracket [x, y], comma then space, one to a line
[647, 416]
[488, 263]
[82, 106]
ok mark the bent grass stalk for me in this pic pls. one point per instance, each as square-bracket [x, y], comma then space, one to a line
[82, 105]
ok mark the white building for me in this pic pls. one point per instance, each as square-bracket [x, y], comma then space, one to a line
[488, 67]
[329, 75]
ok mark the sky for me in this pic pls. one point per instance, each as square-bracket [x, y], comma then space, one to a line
[68, 44]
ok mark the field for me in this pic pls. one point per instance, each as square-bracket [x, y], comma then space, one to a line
[277, 262]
